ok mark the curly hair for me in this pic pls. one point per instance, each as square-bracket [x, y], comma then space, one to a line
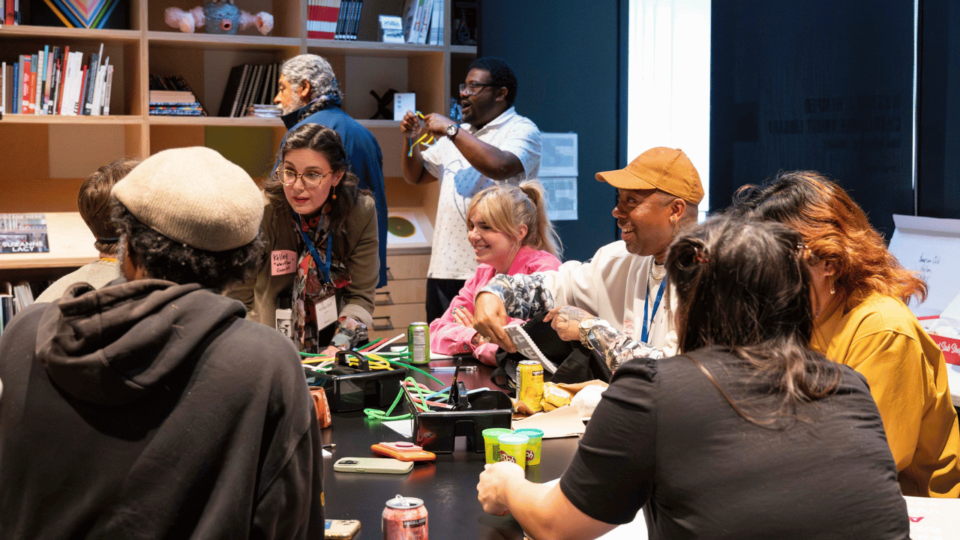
[835, 229]
[744, 286]
[95, 205]
[163, 258]
[500, 75]
[328, 143]
[316, 71]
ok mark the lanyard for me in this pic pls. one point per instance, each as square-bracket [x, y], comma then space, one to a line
[325, 268]
[645, 333]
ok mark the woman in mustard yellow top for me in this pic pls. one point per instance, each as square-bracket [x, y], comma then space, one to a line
[862, 321]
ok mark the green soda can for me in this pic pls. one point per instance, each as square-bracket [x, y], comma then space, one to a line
[418, 342]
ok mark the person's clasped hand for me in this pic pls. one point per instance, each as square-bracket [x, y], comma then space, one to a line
[411, 124]
[489, 318]
[566, 321]
[437, 124]
[494, 481]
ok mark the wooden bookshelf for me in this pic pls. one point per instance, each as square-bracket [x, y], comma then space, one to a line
[44, 158]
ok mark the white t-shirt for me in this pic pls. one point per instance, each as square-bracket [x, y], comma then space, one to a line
[612, 285]
[452, 256]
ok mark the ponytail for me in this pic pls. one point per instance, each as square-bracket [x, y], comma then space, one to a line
[540, 234]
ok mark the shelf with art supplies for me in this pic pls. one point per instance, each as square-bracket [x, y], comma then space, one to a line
[83, 77]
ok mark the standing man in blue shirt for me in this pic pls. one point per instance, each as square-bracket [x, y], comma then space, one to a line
[309, 94]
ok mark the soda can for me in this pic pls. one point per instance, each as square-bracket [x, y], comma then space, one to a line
[418, 342]
[530, 390]
[405, 518]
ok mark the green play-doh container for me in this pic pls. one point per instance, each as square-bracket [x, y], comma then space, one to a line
[534, 446]
[490, 444]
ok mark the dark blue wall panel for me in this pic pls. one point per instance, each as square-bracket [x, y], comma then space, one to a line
[938, 172]
[815, 84]
[566, 54]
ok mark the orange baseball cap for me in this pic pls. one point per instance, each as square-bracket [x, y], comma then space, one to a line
[666, 169]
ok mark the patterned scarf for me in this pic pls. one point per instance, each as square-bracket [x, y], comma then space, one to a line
[309, 286]
[323, 102]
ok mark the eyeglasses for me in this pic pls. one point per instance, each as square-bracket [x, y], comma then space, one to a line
[311, 179]
[473, 88]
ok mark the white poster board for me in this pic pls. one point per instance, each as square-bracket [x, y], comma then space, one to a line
[558, 174]
[930, 246]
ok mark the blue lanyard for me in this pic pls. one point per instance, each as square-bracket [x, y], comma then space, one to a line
[645, 333]
[325, 268]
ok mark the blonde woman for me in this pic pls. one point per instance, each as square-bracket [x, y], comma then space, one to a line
[510, 234]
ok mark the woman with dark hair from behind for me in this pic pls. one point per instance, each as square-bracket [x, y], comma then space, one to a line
[322, 246]
[861, 320]
[747, 434]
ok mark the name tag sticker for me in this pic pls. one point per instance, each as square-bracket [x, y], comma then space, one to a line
[326, 310]
[282, 262]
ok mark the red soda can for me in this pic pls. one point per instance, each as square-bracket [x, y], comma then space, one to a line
[405, 518]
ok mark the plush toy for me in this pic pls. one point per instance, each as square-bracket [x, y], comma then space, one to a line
[218, 17]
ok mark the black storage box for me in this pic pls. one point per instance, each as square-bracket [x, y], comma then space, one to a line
[355, 388]
[436, 430]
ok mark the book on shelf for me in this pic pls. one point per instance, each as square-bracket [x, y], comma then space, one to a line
[322, 16]
[54, 81]
[16, 297]
[423, 21]
[436, 24]
[24, 233]
[171, 96]
[351, 22]
[250, 85]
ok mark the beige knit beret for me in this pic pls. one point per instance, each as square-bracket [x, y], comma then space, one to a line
[194, 196]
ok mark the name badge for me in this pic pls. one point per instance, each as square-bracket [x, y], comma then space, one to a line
[282, 262]
[326, 312]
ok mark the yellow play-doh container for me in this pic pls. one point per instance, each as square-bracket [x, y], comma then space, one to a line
[534, 445]
[490, 444]
[513, 448]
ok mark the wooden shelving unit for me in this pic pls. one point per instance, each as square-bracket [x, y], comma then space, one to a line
[43, 159]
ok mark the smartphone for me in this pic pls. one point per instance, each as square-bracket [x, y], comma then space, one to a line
[337, 529]
[372, 465]
[404, 451]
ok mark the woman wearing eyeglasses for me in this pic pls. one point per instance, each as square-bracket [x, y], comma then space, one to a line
[321, 241]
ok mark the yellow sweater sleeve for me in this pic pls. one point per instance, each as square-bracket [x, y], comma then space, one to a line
[894, 367]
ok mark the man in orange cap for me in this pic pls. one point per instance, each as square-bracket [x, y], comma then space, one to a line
[614, 302]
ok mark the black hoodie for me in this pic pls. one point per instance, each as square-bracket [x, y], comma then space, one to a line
[148, 409]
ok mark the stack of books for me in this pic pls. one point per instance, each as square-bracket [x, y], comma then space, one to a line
[56, 81]
[171, 96]
[250, 85]
[423, 21]
[333, 19]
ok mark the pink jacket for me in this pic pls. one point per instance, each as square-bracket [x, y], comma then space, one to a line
[448, 337]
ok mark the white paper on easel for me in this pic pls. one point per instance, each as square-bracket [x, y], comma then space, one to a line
[930, 246]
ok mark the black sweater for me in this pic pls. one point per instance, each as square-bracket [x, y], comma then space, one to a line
[154, 410]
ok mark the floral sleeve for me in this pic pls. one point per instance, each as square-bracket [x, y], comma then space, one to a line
[524, 296]
[617, 347]
[350, 333]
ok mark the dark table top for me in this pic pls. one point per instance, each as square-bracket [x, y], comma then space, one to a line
[448, 486]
